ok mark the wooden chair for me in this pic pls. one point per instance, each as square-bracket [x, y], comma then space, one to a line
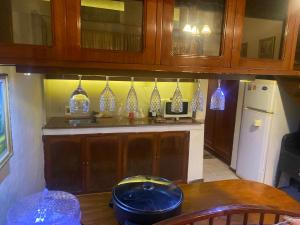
[241, 213]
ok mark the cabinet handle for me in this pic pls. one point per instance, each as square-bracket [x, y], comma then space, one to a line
[299, 172]
[87, 163]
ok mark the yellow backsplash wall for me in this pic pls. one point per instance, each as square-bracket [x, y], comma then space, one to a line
[58, 92]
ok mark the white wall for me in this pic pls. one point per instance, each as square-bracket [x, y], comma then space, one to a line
[24, 173]
[258, 29]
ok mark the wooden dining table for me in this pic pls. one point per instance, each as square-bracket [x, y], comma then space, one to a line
[197, 196]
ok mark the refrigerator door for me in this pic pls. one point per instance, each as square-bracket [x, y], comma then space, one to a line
[253, 145]
[259, 95]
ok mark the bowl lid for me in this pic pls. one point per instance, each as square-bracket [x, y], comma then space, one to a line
[147, 194]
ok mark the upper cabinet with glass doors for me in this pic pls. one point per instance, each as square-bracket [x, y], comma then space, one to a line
[197, 33]
[26, 28]
[113, 31]
[264, 34]
[296, 50]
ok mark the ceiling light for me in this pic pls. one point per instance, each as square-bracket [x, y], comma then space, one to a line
[206, 30]
[187, 28]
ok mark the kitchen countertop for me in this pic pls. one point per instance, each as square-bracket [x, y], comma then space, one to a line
[67, 123]
[197, 196]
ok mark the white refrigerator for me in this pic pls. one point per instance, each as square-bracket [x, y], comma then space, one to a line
[265, 119]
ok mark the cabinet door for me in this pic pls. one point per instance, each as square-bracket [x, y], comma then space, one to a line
[103, 159]
[264, 34]
[210, 116]
[112, 31]
[172, 156]
[197, 33]
[63, 163]
[139, 154]
[31, 29]
[219, 125]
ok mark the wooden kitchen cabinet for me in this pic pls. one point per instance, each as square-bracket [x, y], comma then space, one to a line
[263, 34]
[172, 155]
[64, 163]
[112, 31]
[31, 30]
[103, 162]
[139, 154]
[217, 36]
[197, 33]
[95, 163]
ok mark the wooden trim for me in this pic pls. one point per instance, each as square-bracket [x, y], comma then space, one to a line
[228, 211]
[186, 156]
[159, 31]
[85, 157]
[196, 181]
[60, 67]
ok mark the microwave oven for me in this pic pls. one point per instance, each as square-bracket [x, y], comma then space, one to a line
[167, 112]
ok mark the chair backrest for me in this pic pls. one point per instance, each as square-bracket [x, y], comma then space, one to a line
[243, 215]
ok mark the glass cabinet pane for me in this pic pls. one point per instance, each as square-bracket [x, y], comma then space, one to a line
[264, 28]
[197, 27]
[297, 53]
[112, 25]
[25, 22]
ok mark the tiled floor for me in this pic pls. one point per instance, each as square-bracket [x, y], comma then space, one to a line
[214, 170]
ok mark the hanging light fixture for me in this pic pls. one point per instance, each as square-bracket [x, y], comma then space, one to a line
[79, 100]
[132, 101]
[198, 99]
[206, 30]
[217, 101]
[155, 101]
[187, 28]
[177, 104]
[107, 102]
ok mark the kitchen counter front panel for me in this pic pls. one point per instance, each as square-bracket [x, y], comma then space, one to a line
[105, 137]
[195, 144]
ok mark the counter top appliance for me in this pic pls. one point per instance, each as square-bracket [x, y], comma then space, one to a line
[167, 112]
[145, 200]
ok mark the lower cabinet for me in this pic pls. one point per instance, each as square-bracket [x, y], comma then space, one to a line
[172, 156]
[64, 163]
[103, 162]
[139, 154]
[95, 163]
